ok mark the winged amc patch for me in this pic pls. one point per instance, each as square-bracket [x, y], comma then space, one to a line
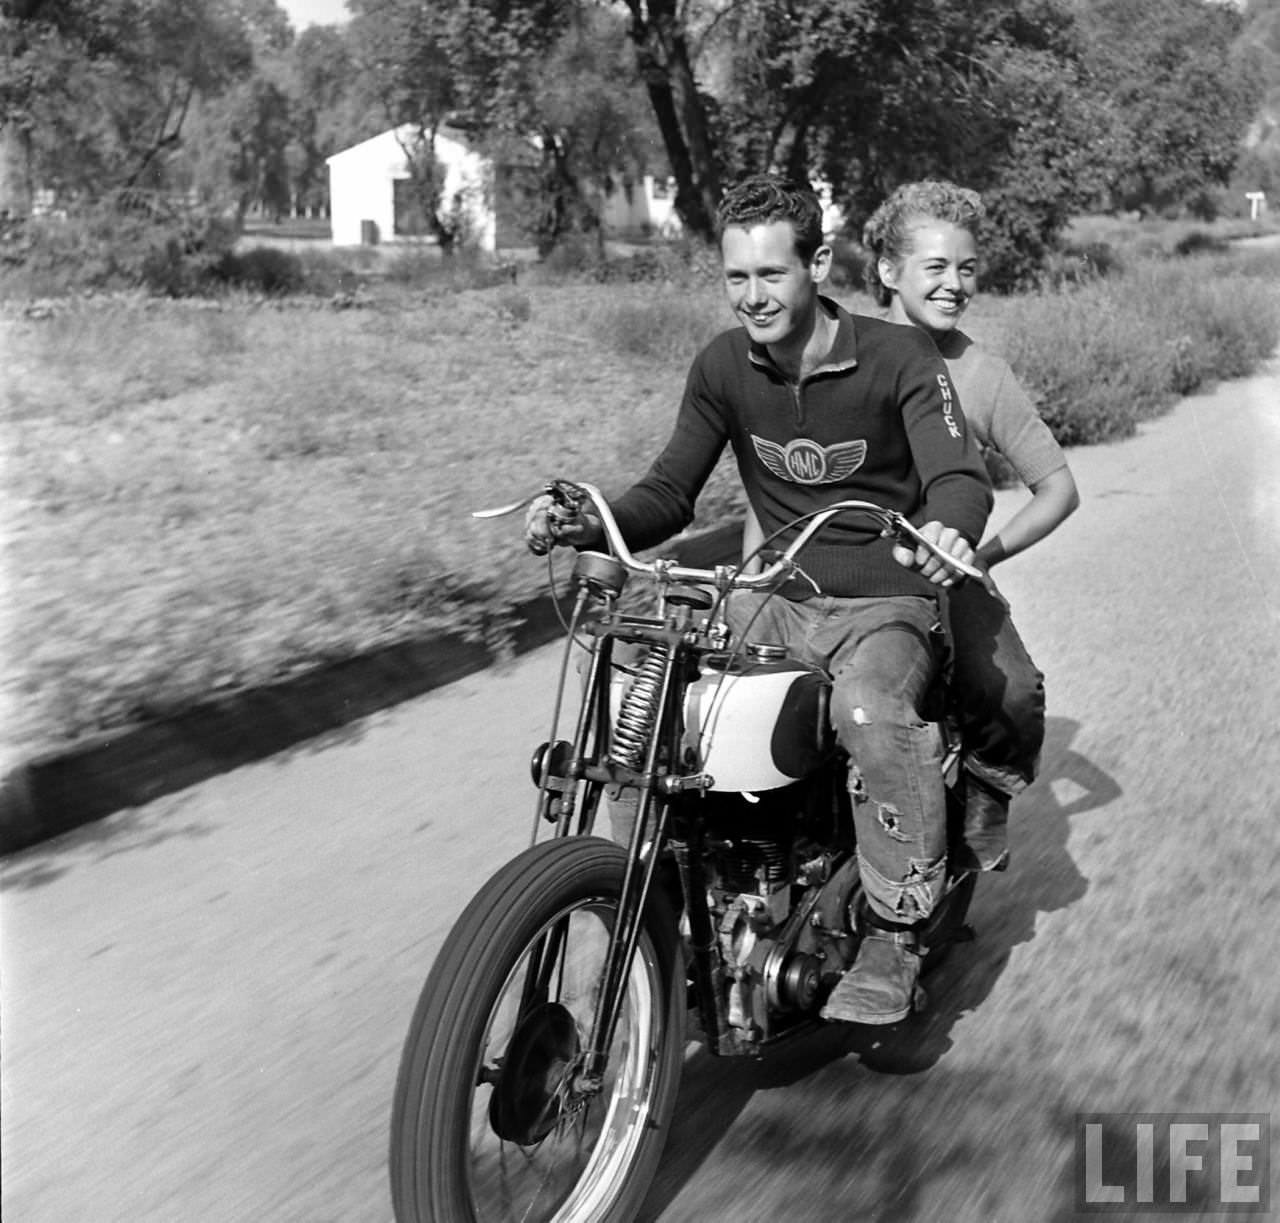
[803, 461]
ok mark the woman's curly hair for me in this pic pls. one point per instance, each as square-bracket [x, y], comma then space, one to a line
[887, 234]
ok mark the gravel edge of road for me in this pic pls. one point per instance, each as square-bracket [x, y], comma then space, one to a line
[56, 792]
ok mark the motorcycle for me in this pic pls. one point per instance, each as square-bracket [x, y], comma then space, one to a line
[541, 1067]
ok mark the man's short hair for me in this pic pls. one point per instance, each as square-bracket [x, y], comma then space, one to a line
[765, 198]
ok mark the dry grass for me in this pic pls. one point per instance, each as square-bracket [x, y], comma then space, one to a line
[200, 498]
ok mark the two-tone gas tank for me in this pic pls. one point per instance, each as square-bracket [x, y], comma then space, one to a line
[758, 722]
[754, 721]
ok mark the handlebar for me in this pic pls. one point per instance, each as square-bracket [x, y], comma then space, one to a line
[892, 524]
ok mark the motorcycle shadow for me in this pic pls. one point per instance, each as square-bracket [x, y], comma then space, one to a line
[1043, 878]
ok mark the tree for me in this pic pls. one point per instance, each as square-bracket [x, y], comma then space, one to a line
[515, 77]
[465, 63]
[322, 108]
[95, 93]
[866, 94]
[1259, 48]
[594, 126]
[1179, 90]
[660, 36]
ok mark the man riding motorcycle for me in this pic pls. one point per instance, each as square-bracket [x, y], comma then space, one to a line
[821, 407]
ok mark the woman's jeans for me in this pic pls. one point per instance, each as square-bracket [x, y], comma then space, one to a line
[996, 690]
[883, 657]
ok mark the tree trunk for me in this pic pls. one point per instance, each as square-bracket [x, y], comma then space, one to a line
[663, 58]
[565, 211]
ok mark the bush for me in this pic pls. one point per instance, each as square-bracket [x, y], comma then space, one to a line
[1197, 242]
[573, 257]
[130, 240]
[1091, 365]
[262, 269]
[1076, 264]
[1218, 321]
[1102, 357]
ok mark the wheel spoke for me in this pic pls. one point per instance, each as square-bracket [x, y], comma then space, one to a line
[569, 1134]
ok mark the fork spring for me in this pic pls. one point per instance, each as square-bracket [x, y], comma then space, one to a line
[639, 712]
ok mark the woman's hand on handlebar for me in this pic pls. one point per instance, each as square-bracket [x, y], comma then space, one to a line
[550, 523]
[930, 565]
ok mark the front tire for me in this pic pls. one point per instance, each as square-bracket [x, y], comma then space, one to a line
[488, 1122]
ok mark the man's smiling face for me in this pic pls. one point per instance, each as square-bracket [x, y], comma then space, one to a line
[773, 292]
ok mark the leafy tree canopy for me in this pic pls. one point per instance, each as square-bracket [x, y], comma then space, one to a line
[1179, 89]
[867, 94]
[96, 92]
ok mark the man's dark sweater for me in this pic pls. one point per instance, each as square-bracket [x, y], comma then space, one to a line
[879, 420]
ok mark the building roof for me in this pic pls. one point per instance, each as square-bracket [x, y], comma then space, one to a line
[509, 151]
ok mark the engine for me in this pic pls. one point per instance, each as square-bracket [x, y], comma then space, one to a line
[779, 873]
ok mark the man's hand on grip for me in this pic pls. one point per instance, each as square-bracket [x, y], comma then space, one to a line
[931, 566]
[548, 523]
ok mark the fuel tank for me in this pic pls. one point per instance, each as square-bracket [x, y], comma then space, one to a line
[759, 721]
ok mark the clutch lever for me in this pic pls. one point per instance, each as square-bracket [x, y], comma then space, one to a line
[500, 511]
[565, 492]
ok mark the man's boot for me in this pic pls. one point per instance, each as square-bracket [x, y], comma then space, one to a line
[880, 987]
[986, 831]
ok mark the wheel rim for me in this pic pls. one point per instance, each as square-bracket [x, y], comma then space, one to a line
[582, 1148]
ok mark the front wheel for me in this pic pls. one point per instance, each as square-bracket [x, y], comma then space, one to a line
[493, 1119]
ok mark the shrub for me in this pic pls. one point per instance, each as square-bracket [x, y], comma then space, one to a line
[1197, 242]
[1090, 363]
[1101, 357]
[130, 240]
[262, 269]
[574, 257]
[1079, 263]
[1218, 321]
[326, 272]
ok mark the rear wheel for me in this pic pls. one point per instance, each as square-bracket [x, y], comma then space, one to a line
[493, 1120]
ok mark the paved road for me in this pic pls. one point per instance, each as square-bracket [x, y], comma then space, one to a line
[204, 998]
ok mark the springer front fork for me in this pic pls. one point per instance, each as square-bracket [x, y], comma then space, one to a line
[620, 748]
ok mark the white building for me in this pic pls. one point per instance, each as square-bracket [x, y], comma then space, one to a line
[369, 198]
[371, 201]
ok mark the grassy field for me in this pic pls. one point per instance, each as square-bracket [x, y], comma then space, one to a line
[200, 497]
[206, 495]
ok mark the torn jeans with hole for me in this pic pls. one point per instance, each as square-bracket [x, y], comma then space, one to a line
[883, 658]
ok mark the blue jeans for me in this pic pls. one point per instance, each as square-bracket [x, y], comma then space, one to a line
[882, 656]
[996, 689]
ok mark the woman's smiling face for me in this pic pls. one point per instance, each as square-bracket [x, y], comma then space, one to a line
[934, 281]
